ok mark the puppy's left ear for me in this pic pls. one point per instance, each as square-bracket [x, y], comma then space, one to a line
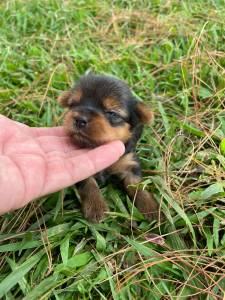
[144, 113]
[65, 99]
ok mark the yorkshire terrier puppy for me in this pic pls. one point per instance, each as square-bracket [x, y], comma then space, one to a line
[103, 109]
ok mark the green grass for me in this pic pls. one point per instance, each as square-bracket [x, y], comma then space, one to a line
[172, 54]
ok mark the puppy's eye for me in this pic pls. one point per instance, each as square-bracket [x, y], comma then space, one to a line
[112, 114]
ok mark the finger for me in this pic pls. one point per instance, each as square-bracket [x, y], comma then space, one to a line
[48, 131]
[56, 155]
[62, 173]
[4, 121]
[56, 143]
[22, 126]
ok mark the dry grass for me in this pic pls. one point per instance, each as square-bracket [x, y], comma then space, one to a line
[172, 54]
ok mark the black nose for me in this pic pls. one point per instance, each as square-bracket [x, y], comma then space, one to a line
[80, 122]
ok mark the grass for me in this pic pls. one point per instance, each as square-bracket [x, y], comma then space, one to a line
[172, 54]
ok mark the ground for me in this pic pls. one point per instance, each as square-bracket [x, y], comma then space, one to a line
[172, 54]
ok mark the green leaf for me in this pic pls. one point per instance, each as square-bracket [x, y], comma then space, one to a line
[212, 190]
[223, 241]
[197, 217]
[20, 246]
[64, 249]
[74, 262]
[112, 284]
[25, 287]
[17, 274]
[175, 240]
[185, 292]
[59, 229]
[204, 93]
[163, 288]
[100, 241]
[42, 288]
[222, 147]
[193, 130]
[164, 117]
[59, 200]
[134, 212]
[216, 227]
[102, 275]
[142, 249]
[117, 200]
[209, 238]
[181, 213]
[221, 159]
[222, 121]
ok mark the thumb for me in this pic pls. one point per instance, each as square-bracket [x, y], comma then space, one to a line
[84, 165]
[92, 162]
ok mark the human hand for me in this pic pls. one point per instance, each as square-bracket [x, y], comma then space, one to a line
[37, 161]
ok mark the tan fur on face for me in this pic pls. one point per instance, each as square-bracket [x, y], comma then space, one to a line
[98, 130]
[68, 122]
[113, 104]
[101, 131]
[69, 97]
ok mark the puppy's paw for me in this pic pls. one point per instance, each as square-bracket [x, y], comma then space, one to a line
[94, 210]
[148, 206]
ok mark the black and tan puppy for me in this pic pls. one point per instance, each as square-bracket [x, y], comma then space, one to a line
[103, 109]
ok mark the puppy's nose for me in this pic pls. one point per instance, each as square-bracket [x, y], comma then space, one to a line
[81, 122]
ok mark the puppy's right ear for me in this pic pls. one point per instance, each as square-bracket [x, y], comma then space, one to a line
[65, 99]
[68, 98]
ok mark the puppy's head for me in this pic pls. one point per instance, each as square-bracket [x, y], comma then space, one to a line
[102, 109]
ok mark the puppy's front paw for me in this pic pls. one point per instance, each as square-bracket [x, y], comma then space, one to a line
[147, 205]
[94, 210]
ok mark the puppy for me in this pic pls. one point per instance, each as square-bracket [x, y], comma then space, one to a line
[103, 109]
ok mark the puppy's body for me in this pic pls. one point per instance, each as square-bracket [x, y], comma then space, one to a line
[103, 109]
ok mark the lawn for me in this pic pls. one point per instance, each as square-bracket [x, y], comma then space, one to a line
[172, 54]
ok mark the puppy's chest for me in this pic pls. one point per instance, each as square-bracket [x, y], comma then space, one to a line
[125, 166]
[104, 177]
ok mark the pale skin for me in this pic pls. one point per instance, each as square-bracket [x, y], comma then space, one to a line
[38, 161]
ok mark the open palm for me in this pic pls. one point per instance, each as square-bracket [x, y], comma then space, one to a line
[38, 161]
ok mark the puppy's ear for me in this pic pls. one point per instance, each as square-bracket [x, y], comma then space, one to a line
[68, 98]
[65, 99]
[144, 113]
